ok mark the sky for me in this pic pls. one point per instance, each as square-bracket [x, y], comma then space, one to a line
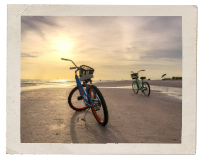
[113, 46]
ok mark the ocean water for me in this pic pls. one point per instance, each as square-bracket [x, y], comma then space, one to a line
[37, 82]
[30, 84]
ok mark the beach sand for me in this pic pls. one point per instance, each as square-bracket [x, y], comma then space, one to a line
[165, 83]
[133, 118]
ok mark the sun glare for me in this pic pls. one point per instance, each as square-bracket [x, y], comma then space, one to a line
[63, 45]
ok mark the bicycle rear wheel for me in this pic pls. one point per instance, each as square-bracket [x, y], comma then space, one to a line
[100, 110]
[76, 102]
[135, 87]
[146, 88]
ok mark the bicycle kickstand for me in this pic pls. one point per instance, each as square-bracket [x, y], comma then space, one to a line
[85, 114]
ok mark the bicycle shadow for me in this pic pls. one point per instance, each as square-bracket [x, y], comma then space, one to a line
[73, 125]
[141, 94]
[78, 126]
[89, 131]
[108, 134]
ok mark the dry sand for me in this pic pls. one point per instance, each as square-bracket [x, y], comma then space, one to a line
[133, 118]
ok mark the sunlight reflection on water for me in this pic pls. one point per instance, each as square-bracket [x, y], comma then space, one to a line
[47, 86]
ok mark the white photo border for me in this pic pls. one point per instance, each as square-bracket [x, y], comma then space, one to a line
[189, 75]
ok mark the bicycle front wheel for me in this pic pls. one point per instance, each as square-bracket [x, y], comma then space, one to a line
[146, 88]
[135, 87]
[100, 110]
[76, 102]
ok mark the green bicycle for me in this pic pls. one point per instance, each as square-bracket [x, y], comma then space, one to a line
[136, 86]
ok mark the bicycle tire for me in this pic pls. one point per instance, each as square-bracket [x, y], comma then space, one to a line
[135, 87]
[102, 120]
[147, 93]
[74, 103]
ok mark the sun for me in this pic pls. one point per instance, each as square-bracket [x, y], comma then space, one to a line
[63, 45]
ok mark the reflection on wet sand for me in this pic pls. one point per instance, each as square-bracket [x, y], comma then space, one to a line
[170, 91]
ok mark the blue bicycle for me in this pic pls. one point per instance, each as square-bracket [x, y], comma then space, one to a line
[85, 96]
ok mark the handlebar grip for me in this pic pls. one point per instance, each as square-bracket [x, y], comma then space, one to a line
[65, 59]
[142, 70]
[72, 67]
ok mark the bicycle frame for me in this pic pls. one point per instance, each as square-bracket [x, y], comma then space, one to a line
[83, 93]
[138, 82]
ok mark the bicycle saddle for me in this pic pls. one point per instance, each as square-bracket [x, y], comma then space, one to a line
[142, 78]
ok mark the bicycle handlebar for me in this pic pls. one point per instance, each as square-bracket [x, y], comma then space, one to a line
[65, 59]
[77, 68]
[140, 70]
[69, 60]
[73, 67]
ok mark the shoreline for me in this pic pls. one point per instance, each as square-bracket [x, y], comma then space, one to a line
[166, 83]
[169, 87]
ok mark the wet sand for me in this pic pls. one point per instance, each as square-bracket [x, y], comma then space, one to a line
[165, 83]
[133, 118]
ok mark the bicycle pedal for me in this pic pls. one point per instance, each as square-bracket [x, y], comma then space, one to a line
[95, 101]
[80, 98]
[97, 108]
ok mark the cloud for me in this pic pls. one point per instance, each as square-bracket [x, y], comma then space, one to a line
[162, 24]
[36, 23]
[155, 54]
[137, 66]
[25, 55]
[105, 42]
[161, 37]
